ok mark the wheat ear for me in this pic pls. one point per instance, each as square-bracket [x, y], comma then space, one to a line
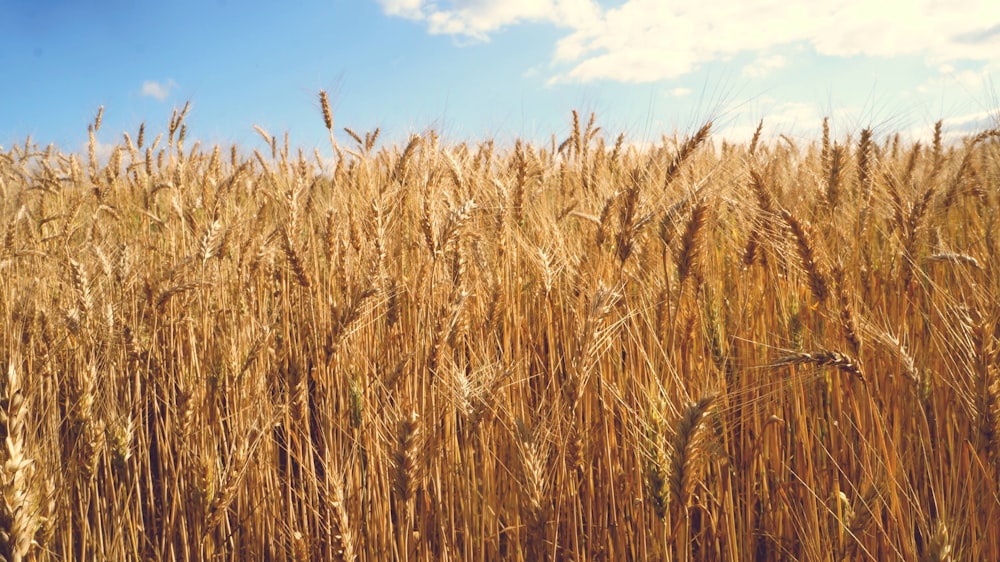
[824, 358]
[686, 449]
[807, 254]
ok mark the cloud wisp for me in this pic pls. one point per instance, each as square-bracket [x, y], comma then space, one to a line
[158, 90]
[764, 65]
[477, 19]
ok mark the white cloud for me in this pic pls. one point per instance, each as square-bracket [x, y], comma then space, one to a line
[102, 151]
[941, 30]
[968, 79]
[785, 118]
[649, 40]
[158, 90]
[955, 129]
[952, 84]
[680, 92]
[800, 120]
[976, 122]
[764, 65]
[404, 8]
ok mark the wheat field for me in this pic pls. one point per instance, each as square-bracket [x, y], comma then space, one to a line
[581, 350]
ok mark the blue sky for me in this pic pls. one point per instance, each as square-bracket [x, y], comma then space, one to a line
[494, 68]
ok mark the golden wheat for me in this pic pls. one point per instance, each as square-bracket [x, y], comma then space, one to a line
[480, 351]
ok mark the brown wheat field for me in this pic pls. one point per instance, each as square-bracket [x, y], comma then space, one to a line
[581, 350]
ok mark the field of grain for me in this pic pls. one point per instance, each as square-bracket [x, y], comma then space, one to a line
[577, 351]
